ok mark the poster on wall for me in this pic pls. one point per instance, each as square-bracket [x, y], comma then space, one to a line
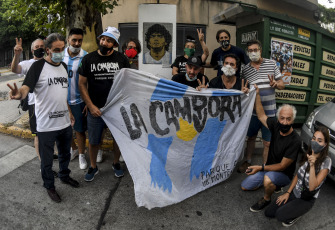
[157, 39]
[282, 54]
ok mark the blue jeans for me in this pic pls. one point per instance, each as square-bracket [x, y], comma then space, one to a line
[256, 180]
[46, 142]
[95, 127]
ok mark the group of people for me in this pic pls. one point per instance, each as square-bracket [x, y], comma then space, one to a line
[67, 86]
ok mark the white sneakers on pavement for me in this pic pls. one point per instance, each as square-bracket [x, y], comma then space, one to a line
[99, 156]
[82, 161]
[74, 154]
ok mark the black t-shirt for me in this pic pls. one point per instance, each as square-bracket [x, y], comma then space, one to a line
[218, 83]
[217, 58]
[180, 63]
[99, 71]
[282, 146]
[181, 78]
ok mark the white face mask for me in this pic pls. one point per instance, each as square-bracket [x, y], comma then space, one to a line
[255, 56]
[228, 71]
[74, 49]
[190, 79]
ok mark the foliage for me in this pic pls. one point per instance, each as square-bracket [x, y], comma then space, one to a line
[327, 18]
[51, 15]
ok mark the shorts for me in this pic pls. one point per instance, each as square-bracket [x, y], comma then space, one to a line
[95, 126]
[32, 119]
[80, 120]
[254, 127]
[256, 180]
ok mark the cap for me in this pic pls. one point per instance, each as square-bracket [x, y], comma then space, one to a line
[111, 32]
[196, 61]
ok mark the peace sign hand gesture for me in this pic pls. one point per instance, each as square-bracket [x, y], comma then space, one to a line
[14, 92]
[273, 82]
[18, 47]
[201, 35]
[245, 88]
[202, 84]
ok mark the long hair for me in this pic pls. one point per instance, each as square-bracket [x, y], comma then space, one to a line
[323, 154]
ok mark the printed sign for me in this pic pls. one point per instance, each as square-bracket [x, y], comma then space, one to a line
[327, 71]
[327, 85]
[304, 34]
[176, 141]
[328, 57]
[290, 95]
[253, 35]
[300, 65]
[281, 27]
[299, 80]
[324, 98]
[298, 48]
[281, 53]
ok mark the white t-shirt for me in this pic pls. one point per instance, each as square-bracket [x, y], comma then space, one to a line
[49, 83]
[25, 66]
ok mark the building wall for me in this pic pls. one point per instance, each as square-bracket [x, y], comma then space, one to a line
[201, 12]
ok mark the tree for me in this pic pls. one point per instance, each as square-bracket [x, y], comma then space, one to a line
[62, 15]
[327, 18]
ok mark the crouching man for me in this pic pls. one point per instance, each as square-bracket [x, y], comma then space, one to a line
[284, 147]
[48, 80]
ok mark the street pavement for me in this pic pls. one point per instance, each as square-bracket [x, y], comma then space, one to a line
[109, 203]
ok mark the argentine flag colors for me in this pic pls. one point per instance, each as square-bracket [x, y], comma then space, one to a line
[176, 141]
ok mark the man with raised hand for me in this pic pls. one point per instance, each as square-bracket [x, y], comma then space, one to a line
[96, 78]
[48, 79]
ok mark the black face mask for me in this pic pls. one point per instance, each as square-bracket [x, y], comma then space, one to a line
[39, 53]
[104, 50]
[284, 128]
[225, 43]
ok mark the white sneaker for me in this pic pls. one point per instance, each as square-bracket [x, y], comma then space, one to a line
[99, 156]
[74, 154]
[82, 161]
[121, 159]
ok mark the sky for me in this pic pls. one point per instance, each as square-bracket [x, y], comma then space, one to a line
[327, 4]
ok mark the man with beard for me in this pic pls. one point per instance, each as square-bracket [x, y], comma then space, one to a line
[223, 38]
[158, 39]
[96, 78]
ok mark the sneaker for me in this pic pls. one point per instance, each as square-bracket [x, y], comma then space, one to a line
[99, 156]
[279, 189]
[262, 203]
[118, 172]
[54, 195]
[55, 157]
[82, 161]
[74, 153]
[91, 173]
[243, 167]
[290, 223]
[121, 159]
[73, 183]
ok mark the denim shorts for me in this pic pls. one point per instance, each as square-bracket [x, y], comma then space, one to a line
[256, 180]
[95, 126]
[80, 120]
[254, 127]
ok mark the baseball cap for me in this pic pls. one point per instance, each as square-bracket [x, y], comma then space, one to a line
[196, 61]
[111, 32]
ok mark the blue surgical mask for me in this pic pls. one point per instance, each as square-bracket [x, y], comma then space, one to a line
[57, 57]
[190, 79]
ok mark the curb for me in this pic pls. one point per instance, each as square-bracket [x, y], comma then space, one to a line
[26, 133]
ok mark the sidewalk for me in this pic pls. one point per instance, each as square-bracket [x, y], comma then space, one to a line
[13, 120]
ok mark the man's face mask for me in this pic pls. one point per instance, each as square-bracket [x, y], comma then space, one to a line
[131, 53]
[57, 57]
[74, 49]
[284, 128]
[255, 56]
[228, 71]
[189, 52]
[225, 43]
[104, 50]
[39, 53]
